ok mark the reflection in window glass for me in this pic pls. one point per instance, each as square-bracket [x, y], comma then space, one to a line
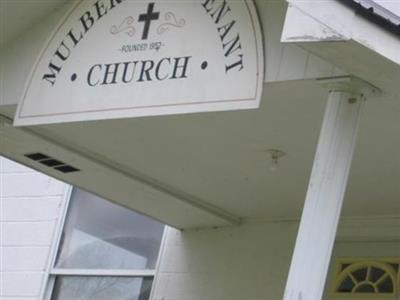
[101, 235]
[101, 288]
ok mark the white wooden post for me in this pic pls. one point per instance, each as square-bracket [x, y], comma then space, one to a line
[326, 189]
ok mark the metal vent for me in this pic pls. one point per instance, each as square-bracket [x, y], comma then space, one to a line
[67, 169]
[37, 156]
[51, 162]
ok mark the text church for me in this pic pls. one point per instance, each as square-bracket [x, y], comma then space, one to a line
[200, 150]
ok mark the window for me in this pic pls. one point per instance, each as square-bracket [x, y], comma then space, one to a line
[369, 277]
[105, 252]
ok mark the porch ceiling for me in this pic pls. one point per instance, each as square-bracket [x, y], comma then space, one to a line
[18, 16]
[221, 159]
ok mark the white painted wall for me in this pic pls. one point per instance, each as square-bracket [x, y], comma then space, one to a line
[246, 262]
[31, 205]
[251, 262]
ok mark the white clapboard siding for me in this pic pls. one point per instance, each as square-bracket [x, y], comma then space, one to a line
[18, 298]
[235, 263]
[30, 209]
[31, 205]
[27, 233]
[24, 258]
[21, 284]
[251, 261]
[31, 185]
[9, 166]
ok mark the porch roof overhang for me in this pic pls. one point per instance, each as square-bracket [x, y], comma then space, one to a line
[375, 12]
[212, 169]
[341, 35]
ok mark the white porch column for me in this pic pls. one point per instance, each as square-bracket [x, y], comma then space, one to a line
[326, 189]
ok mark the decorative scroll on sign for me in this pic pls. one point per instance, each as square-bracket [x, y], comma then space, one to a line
[122, 59]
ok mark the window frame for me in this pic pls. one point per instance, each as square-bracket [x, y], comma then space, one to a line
[359, 260]
[53, 272]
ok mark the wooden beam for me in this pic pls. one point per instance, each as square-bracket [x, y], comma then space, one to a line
[326, 190]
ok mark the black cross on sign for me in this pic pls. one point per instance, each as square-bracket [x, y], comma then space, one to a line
[147, 18]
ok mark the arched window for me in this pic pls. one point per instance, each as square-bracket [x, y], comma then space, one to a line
[369, 277]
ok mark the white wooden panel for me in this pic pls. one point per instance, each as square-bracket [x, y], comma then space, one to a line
[27, 233]
[293, 63]
[235, 85]
[351, 25]
[24, 258]
[30, 209]
[19, 298]
[368, 51]
[20, 284]
[28, 185]
[286, 62]
[237, 263]
[28, 218]
[249, 262]
[369, 229]
[317, 66]
[8, 166]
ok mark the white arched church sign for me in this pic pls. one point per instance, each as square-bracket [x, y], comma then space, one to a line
[119, 59]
